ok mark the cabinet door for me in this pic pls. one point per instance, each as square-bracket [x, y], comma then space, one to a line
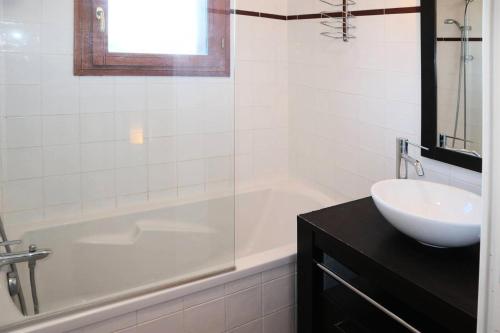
[344, 308]
[351, 304]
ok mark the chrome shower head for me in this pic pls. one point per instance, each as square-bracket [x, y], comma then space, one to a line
[452, 21]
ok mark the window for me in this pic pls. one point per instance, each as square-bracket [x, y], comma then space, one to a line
[152, 37]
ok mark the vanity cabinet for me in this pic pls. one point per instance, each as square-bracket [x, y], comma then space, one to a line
[356, 273]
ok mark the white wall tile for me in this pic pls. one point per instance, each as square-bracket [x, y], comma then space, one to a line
[218, 144]
[22, 163]
[159, 310]
[57, 69]
[22, 100]
[56, 11]
[23, 132]
[97, 185]
[161, 123]
[162, 150]
[278, 272]
[190, 147]
[191, 173]
[172, 323]
[203, 296]
[130, 126]
[219, 169]
[98, 156]
[60, 45]
[113, 324]
[60, 160]
[130, 97]
[278, 294]
[60, 190]
[20, 37]
[60, 98]
[97, 127]
[60, 130]
[96, 98]
[130, 154]
[253, 327]
[22, 10]
[243, 307]
[161, 97]
[62, 211]
[162, 177]
[131, 180]
[242, 284]
[280, 322]
[402, 28]
[207, 318]
[23, 195]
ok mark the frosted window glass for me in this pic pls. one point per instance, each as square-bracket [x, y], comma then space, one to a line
[158, 26]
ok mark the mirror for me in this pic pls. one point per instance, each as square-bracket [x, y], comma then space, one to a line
[452, 81]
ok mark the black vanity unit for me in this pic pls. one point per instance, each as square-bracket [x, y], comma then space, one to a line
[356, 273]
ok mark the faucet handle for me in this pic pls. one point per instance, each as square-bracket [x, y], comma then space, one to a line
[417, 145]
[11, 243]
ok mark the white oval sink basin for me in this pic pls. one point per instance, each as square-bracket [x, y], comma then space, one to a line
[433, 214]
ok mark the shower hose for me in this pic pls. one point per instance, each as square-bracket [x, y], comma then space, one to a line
[34, 295]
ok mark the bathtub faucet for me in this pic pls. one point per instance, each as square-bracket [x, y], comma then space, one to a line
[30, 256]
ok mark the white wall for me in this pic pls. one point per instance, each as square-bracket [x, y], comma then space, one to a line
[349, 101]
[339, 106]
[261, 95]
[66, 141]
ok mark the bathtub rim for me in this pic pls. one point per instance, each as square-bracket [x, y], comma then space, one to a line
[289, 185]
[71, 320]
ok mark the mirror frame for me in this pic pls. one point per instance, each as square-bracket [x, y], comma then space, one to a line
[429, 132]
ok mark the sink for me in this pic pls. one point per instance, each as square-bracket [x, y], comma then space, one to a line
[434, 214]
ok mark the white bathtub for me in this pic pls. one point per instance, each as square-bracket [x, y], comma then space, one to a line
[265, 242]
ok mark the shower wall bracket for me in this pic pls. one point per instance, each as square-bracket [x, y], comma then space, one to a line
[338, 22]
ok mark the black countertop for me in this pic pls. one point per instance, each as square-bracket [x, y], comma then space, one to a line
[434, 279]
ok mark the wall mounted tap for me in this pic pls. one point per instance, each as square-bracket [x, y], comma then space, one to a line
[31, 257]
[22, 256]
[403, 156]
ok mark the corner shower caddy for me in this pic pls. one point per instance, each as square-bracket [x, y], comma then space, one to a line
[338, 22]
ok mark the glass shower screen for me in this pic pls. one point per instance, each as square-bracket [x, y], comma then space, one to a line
[128, 180]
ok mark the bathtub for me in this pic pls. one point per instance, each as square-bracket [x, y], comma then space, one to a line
[265, 249]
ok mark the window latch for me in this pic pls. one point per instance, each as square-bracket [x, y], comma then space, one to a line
[101, 18]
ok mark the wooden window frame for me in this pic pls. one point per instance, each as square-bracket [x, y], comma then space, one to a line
[92, 58]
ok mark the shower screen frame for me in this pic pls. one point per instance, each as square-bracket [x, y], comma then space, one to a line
[429, 111]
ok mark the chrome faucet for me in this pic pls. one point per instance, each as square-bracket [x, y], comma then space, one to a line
[22, 256]
[402, 155]
[31, 256]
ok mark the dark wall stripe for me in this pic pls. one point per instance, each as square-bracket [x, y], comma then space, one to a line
[258, 14]
[368, 12]
[456, 39]
[273, 16]
[402, 10]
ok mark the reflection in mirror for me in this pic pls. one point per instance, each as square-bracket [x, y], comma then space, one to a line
[458, 69]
